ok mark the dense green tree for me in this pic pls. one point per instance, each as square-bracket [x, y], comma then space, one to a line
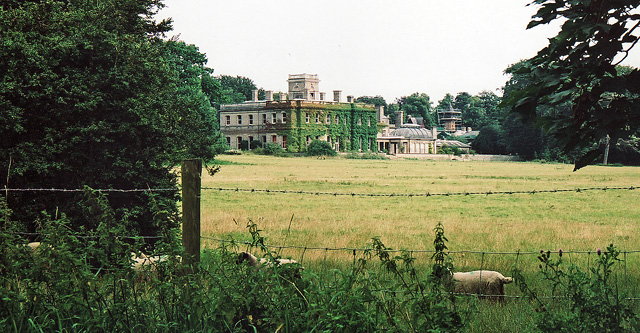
[579, 67]
[473, 114]
[489, 141]
[91, 96]
[490, 102]
[418, 105]
[377, 100]
[237, 89]
[447, 101]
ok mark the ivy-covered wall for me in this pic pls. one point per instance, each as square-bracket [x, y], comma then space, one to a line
[349, 125]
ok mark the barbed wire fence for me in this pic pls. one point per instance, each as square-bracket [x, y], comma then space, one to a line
[191, 237]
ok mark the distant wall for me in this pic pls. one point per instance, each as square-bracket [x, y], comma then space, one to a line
[445, 157]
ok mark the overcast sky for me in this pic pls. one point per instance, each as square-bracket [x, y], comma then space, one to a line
[365, 47]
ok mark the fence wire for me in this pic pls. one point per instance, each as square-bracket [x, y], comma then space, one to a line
[335, 194]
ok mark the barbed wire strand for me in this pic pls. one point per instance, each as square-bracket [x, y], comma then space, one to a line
[82, 236]
[426, 194]
[324, 248]
[351, 194]
[97, 190]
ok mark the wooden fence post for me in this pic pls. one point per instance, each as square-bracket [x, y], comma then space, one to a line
[191, 181]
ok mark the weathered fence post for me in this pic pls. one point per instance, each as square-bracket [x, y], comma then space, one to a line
[191, 181]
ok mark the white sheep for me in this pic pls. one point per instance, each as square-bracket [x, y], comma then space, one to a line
[489, 284]
[33, 245]
[257, 263]
[142, 261]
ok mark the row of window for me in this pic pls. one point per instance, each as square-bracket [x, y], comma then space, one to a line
[367, 144]
[327, 120]
[263, 139]
[250, 120]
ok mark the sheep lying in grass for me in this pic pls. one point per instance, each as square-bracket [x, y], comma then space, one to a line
[33, 245]
[257, 263]
[488, 283]
[143, 262]
[264, 262]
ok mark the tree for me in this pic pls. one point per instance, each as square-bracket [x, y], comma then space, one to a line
[490, 102]
[489, 141]
[91, 96]
[377, 100]
[579, 67]
[472, 112]
[418, 105]
[238, 89]
[446, 102]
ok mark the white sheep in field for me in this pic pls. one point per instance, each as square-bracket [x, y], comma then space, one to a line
[143, 262]
[257, 263]
[33, 245]
[489, 283]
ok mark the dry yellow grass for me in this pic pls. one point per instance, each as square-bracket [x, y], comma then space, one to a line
[573, 221]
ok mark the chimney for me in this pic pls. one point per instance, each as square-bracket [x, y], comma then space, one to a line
[254, 95]
[399, 118]
[269, 95]
[349, 98]
[380, 112]
[337, 95]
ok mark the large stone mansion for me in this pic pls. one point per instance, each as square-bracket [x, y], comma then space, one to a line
[300, 116]
[304, 114]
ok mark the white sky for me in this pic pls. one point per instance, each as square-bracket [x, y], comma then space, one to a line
[365, 47]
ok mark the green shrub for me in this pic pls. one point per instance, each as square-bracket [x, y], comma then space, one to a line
[450, 150]
[593, 299]
[271, 148]
[255, 144]
[365, 156]
[243, 145]
[320, 148]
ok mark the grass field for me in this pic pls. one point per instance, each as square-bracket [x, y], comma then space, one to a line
[483, 230]
[578, 221]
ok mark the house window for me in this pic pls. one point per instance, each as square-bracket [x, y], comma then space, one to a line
[368, 121]
[228, 120]
[239, 119]
[250, 119]
[317, 117]
[284, 141]
[284, 117]
[264, 118]
[360, 120]
[274, 138]
[306, 117]
[328, 119]
[264, 139]
[274, 117]
[250, 140]
[337, 119]
[308, 140]
[229, 141]
[239, 141]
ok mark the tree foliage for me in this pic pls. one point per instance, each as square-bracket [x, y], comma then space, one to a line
[579, 66]
[237, 89]
[418, 104]
[377, 100]
[91, 96]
